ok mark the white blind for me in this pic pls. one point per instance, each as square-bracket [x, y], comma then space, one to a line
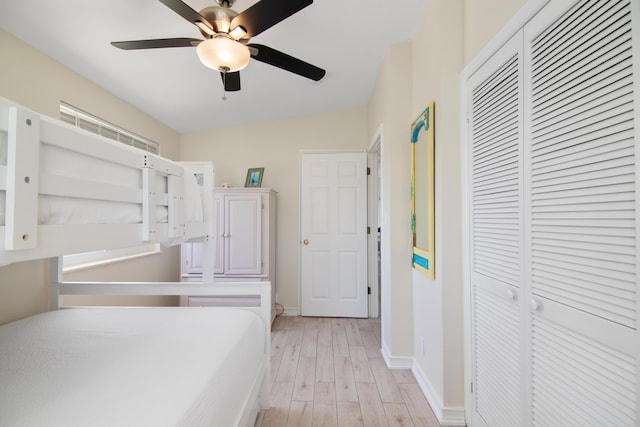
[87, 121]
[584, 221]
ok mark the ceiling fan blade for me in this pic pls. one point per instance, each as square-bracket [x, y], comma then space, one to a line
[231, 81]
[156, 43]
[187, 13]
[266, 13]
[286, 62]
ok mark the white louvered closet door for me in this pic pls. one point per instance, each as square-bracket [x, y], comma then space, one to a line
[496, 135]
[582, 214]
[554, 214]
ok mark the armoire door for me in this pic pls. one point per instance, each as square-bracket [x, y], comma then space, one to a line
[243, 234]
[192, 259]
[553, 221]
[219, 233]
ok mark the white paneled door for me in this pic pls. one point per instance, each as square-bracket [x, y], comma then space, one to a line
[333, 234]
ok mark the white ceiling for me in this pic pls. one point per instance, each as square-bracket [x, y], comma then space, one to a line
[348, 39]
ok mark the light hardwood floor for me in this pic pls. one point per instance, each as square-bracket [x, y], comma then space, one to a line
[330, 372]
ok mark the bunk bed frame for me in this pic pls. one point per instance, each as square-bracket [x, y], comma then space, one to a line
[38, 154]
[35, 153]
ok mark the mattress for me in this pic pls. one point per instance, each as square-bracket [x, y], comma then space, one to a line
[172, 366]
[68, 210]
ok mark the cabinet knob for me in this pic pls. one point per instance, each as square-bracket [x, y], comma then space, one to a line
[512, 295]
[305, 241]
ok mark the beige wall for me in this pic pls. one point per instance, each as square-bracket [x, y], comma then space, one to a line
[483, 19]
[276, 146]
[390, 113]
[438, 59]
[38, 82]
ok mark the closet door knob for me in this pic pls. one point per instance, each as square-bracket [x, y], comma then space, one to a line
[512, 295]
[535, 305]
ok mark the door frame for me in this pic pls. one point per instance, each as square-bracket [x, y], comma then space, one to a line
[374, 161]
[329, 151]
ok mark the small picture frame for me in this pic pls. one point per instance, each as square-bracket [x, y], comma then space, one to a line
[254, 177]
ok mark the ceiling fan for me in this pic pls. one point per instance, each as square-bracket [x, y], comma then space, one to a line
[226, 47]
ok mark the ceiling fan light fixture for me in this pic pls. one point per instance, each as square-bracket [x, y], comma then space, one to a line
[223, 54]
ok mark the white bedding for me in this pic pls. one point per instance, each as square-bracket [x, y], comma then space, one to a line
[129, 367]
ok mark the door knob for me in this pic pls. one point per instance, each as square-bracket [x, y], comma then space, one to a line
[305, 241]
[535, 305]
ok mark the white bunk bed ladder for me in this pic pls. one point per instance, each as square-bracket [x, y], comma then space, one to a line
[150, 200]
[56, 277]
[205, 174]
[23, 142]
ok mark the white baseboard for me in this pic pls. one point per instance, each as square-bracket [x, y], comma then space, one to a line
[447, 416]
[290, 311]
[394, 362]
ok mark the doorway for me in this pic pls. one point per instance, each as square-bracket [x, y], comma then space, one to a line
[374, 205]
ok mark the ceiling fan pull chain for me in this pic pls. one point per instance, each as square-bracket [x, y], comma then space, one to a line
[224, 86]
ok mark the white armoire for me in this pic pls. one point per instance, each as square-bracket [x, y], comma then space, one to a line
[552, 144]
[245, 243]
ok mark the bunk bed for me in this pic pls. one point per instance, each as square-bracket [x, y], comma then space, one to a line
[64, 190]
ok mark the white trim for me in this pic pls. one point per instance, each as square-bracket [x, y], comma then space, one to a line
[450, 416]
[374, 154]
[396, 362]
[329, 151]
[291, 311]
[376, 141]
[466, 242]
